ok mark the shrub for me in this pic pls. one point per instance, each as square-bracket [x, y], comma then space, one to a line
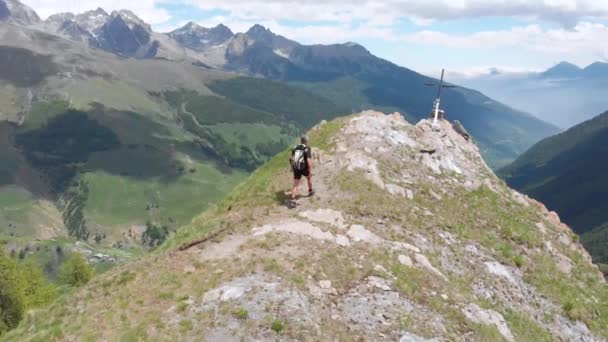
[277, 326]
[36, 287]
[12, 298]
[241, 313]
[519, 261]
[75, 270]
[155, 235]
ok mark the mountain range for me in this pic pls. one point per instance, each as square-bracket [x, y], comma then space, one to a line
[569, 173]
[564, 95]
[332, 71]
[115, 132]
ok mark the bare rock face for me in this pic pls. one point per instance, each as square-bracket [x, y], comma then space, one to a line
[13, 10]
[410, 237]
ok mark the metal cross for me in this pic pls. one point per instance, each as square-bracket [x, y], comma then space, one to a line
[439, 86]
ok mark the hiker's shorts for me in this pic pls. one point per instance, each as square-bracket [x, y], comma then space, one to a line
[298, 174]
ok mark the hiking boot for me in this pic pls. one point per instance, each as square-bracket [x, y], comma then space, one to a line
[311, 193]
[291, 204]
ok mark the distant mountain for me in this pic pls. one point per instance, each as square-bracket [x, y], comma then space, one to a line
[569, 173]
[562, 70]
[196, 37]
[597, 70]
[564, 95]
[120, 32]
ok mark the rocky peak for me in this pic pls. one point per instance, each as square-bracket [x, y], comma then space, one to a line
[259, 31]
[222, 30]
[124, 35]
[263, 36]
[131, 19]
[196, 37]
[98, 12]
[92, 20]
[17, 12]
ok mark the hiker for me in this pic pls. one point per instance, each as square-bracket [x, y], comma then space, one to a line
[301, 165]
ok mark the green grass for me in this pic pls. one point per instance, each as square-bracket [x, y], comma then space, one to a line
[347, 92]
[251, 134]
[21, 213]
[291, 103]
[582, 298]
[210, 110]
[41, 112]
[9, 158]
[180, 199]
[525, 329]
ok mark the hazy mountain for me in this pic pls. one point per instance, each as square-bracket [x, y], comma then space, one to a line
[597, 70]
[569, 173]
[564, 95]
[563, 70]
[397, 245]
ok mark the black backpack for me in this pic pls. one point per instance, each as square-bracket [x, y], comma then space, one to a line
[298, 159]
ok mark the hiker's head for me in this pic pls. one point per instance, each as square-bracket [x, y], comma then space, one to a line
[304, 140]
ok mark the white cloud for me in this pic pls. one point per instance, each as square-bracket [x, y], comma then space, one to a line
[566, 12]
[585, 37]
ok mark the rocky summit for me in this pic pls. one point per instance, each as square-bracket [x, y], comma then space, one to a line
[410, 237]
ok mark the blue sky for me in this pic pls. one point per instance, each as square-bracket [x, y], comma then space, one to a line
[465, 36]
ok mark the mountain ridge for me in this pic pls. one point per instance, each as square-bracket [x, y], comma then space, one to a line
[388, 249]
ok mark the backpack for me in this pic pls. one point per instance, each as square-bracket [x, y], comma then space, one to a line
[298, 159]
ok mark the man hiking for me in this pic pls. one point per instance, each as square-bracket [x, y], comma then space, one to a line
[301, 165]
